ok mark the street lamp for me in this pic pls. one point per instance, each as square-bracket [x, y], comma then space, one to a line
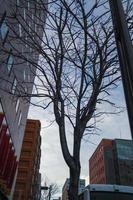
[125, 53]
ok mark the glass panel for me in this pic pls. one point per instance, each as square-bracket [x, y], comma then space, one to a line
[28, 5]
[29, 77]
[9, 63]
[29, 27]
[25, 89]
[125, 149]
[17, 105]
[24, 14]
[20, 30]
[14, 86]
[3, 30]
[19, 120]
[18, 2]
[24, 75]
[26, 41]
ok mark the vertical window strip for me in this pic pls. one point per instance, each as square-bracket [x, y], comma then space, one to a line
[20, 30]
[14, 86]
[24, 14]
[17, 2]
[20, 118]
[29, 27]
[28, 5]
[24, 75]
[9, 63]
[3, 28]
[17, 105]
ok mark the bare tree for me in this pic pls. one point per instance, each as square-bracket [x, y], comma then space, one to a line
[51, 191]
[77, 69]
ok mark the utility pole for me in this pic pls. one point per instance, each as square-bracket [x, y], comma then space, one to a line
[125, 54]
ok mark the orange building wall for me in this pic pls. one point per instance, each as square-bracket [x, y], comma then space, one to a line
[28, 169]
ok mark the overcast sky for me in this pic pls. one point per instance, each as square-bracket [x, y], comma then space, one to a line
[53, 167]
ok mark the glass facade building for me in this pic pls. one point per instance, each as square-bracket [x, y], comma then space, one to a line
[123, 161]
[16, 74]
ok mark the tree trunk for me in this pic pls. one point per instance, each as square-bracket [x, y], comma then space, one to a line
[74, 183]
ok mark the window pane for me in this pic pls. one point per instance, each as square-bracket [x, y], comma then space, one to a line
[3, 30]
[24, 75]
[24, 14]
[9, 63]
[29, 77]
[17, 105]
[14, 86]
[17, 2]
[28, 5]
[19, 120]
[20, 30]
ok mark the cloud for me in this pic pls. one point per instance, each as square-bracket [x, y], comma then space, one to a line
[53, 165]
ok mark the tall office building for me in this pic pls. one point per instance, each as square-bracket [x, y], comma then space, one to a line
[19, 21]
[28, 183]
[112, 163]
[66, 188]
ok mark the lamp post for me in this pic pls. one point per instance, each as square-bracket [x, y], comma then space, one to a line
[125, 54]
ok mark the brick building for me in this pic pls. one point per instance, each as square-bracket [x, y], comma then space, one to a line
[97, 163]
[28, 178]
[112, 163]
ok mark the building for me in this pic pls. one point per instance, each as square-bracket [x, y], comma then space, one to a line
[97, 163]
[104, 192]
[66, 188]
[123, 160]
[18, 23]
[112, 163]
[8, 159]
[28, 183]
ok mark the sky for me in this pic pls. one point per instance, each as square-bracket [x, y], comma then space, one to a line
[53, 167]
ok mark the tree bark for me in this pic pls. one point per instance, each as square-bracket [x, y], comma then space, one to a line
[74, 183]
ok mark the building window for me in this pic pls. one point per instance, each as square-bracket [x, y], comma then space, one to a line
[17, 2]
[9, 63]
[19, 119]
[30, 50]
[20, 30]
[26, 39]
[35, 28]
[24, 14]
[32, 17]
[17, 105]
[28, 5]
[3, 28]
[22, 50]
[24, 75]
[29, 27]
[28, 77]
[25, 89]
[14, 86]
